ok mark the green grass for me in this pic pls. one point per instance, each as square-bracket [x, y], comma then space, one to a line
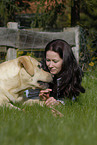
[37, 126]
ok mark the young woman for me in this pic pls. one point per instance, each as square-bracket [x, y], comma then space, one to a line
[59, 60]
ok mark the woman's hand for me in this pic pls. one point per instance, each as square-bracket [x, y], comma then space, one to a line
[44, 94]
[51, 101]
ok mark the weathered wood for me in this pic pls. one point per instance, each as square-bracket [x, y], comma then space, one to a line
[12, 25]
[27, 39]
[8, 37]
[76, 47]
[11, 54]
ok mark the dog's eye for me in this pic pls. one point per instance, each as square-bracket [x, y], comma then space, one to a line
[39, 66]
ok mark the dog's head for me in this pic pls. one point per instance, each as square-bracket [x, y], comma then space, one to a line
[34, 75]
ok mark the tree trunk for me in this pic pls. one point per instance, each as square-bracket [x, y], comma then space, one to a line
[75, 12]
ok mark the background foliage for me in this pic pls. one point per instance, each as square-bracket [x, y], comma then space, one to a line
[54, 16]
[9, 8]
[51, 14]
[89, 14]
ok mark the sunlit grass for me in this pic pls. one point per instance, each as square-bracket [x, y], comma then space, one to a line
[37, 126]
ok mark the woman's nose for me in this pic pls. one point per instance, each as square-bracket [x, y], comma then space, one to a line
[51, 64]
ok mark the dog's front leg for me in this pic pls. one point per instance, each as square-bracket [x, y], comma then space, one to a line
[12, 106]
[30, 102]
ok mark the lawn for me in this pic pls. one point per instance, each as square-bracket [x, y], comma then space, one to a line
[37, 126]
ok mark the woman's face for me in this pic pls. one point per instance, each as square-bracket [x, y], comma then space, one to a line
[53, 62]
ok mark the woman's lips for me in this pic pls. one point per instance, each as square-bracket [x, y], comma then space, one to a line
[52, 70]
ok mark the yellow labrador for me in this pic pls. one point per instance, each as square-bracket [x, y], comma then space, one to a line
[18, 75]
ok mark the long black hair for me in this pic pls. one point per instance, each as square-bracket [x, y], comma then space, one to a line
[70, 74]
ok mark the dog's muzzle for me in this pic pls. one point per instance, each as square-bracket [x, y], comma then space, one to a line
[43, 85]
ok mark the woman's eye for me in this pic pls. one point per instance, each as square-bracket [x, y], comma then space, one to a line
[47, 60]
[55, 61]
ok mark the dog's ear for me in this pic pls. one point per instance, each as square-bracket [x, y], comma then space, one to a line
[25, 61]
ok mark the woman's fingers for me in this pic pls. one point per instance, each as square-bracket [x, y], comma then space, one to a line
[46, 91]
[50, 101]
[44, 94]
